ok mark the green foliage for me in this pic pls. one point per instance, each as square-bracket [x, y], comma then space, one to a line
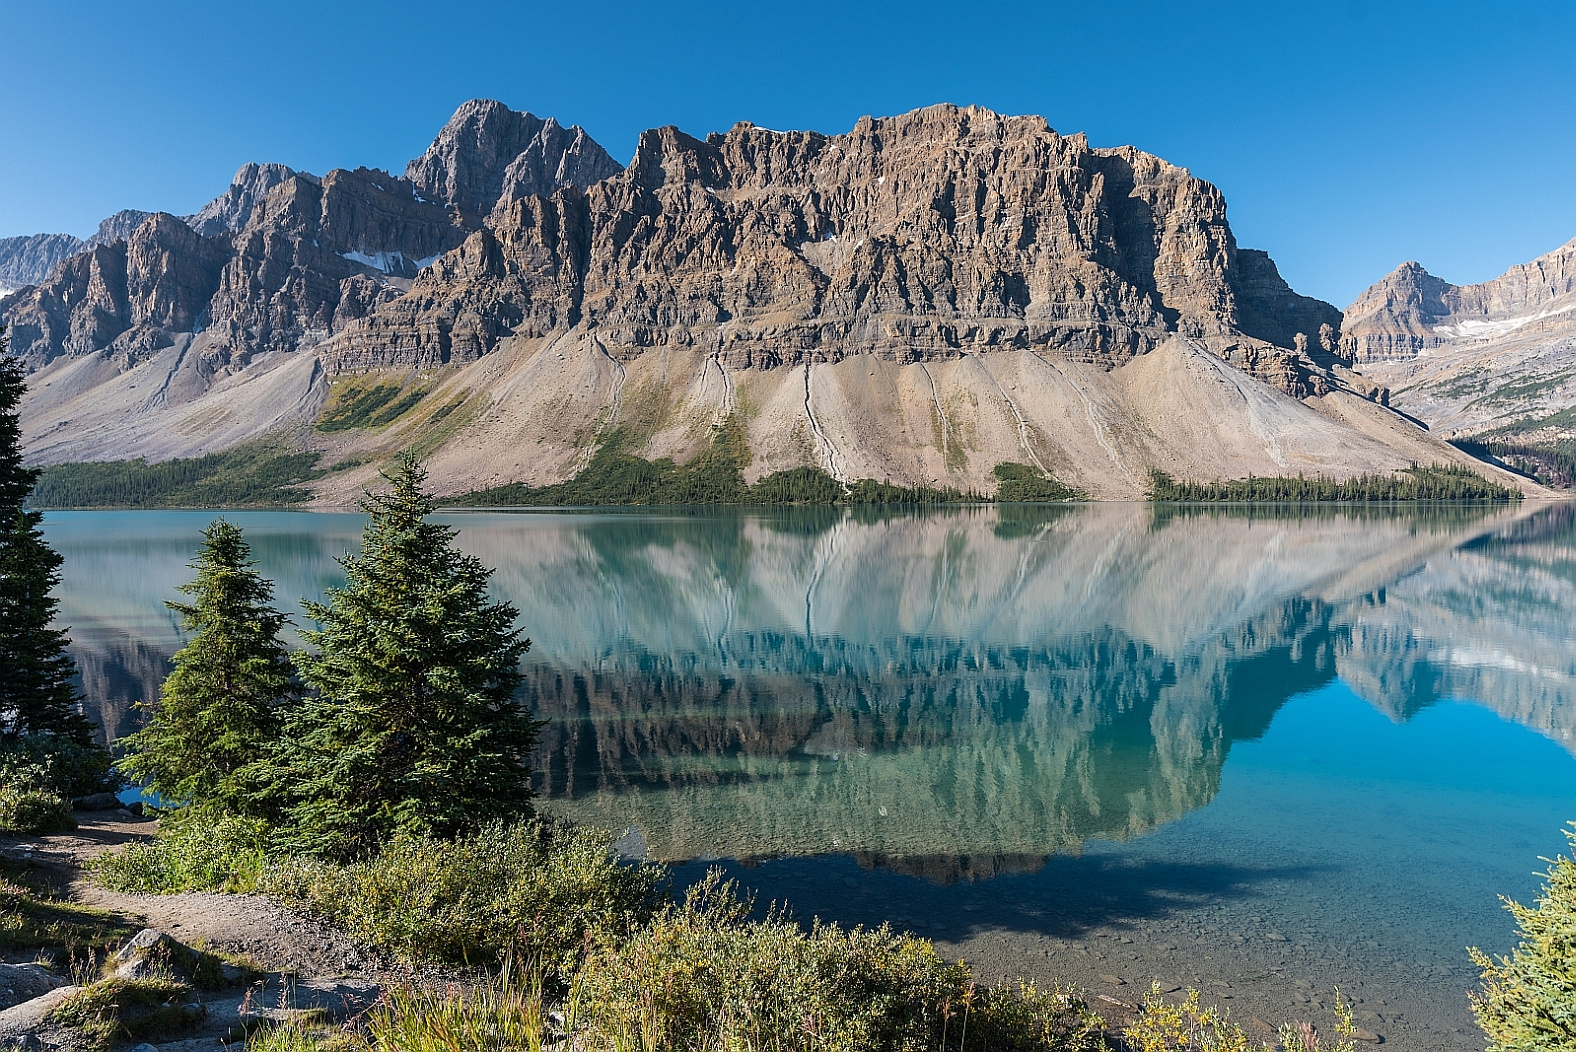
[502, 1015]
[1552, 463]
[1024, 483]
[1434, 482]
[1188, 1026]
[703, 976]
[257, 474]
[355, 406]
[63, 766]
[37, 694]
[614, 477]
[34, 811]
[195, 850]
[796, 486]
[1528, 999]
[535, 891]
[113, 1010]
[414, 725]
[221, 707]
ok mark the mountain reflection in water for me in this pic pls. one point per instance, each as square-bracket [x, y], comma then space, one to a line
[957, 693]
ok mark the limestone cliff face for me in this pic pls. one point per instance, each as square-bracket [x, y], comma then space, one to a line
[929, 235]
[121, 298]
[28, 260]
[489, 156]
[1470, 358]
[283, 259]
[920, 299]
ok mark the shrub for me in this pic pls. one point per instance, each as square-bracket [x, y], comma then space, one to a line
[195, 850]
[537, 889]
[33, 811]
[61, 765]
[1190, 1027]
[502, 1015]
[1528, 1000]
[113, 1010]
[703, 976]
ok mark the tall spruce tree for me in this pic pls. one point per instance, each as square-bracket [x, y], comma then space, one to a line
[222, 706]
[37, 692]
[414, 725]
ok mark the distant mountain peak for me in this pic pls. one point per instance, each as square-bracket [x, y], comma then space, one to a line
[489, 155]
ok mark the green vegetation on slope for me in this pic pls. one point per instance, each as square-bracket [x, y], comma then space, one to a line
[1553, 464]
[258, 474]
[352, 404]
[1023, 483]
[1434, 482]
[616, 477]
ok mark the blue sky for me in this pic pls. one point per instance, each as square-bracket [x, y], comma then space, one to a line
[1347, 136]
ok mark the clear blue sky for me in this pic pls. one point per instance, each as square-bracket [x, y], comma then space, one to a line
[1347, 136]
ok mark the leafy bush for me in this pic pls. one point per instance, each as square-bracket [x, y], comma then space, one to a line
[195, 850]
[1190, 1027]
[113, 1010]
[354, 406]
[1528, 1000]
[537, 890]
[33, 811]
[703, 976]
[65, 767]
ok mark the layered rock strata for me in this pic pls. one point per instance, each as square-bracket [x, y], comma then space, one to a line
[919, 299]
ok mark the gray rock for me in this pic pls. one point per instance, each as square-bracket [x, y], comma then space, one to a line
[25, 1019]
[151, 952]
[145, 1047]
[20, 983]
[97, 802]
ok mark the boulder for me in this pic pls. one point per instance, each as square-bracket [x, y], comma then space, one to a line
[24, 1020]
[96, 802]
[152, 953]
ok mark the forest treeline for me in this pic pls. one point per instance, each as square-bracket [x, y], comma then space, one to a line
[1431, 482]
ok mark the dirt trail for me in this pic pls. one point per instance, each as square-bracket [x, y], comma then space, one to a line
[275, 938]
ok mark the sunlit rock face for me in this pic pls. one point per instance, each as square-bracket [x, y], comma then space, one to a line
[954, 695]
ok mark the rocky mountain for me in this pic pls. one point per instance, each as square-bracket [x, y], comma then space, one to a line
[28, 260]
[1468, 359]
[919, 299]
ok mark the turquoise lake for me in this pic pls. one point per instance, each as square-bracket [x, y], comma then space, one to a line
[1255, 751]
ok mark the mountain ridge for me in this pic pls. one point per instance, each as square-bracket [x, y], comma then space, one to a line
[918, 299]
[1494, 358]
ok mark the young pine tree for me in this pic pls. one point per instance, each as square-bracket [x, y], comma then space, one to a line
[220, 711]
[414, 725]
[1528, 1000]
[37, 694]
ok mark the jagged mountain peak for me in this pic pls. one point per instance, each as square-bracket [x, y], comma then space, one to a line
[489, 155]
[231, 210]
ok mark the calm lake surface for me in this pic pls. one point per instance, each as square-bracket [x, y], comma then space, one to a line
[1261, 753]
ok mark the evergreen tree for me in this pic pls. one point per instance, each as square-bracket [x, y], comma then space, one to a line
[37, 694]
[222, 705]
[414, 725]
